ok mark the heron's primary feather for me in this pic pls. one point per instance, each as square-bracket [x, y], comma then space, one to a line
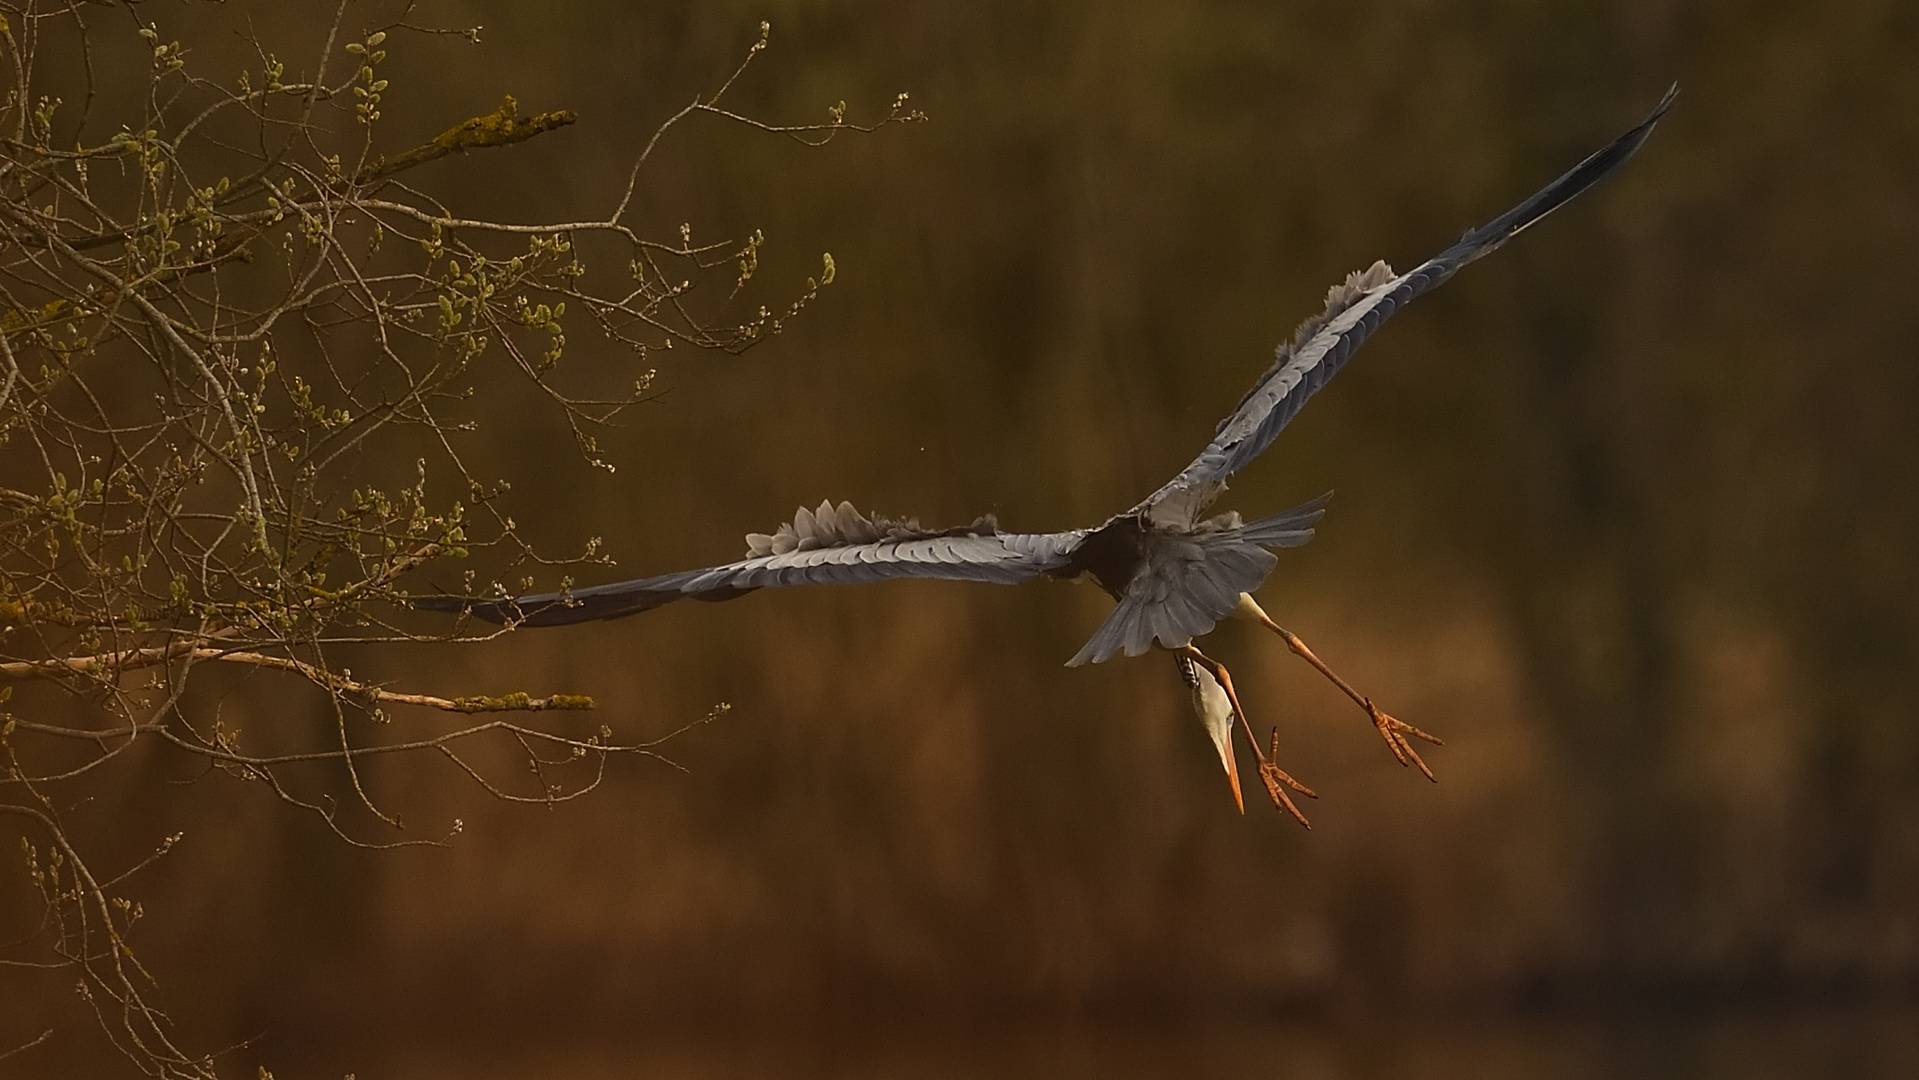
[1354, 309]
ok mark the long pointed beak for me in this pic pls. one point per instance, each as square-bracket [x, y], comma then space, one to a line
[1215, 711]
[1225, 744]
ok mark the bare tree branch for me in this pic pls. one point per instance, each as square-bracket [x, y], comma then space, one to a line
[219, 327]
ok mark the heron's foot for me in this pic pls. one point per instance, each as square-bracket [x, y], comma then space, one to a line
[1390, 728]
[1394, 731]
[1275, 778]
[1277, 781]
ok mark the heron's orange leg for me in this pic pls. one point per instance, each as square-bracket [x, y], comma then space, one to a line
[1392, 729]
[1275, 778]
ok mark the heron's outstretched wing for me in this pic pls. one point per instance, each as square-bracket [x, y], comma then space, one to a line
[1354, 309]
[830, 545]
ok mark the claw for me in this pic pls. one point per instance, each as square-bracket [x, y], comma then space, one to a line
[1394, 731]
[1280, 774]
[1277, 781]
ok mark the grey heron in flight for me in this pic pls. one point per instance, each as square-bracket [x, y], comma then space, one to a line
[1174, 572]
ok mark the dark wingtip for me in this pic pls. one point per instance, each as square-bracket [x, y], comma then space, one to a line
[484, 610]
[450, 604]
[1665, 103]
[1482, 241]
[1624, 146]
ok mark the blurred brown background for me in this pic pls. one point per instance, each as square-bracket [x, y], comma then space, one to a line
[1626, 512]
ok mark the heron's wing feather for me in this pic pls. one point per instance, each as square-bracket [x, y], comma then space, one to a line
[1005, 558]
[1354, 310]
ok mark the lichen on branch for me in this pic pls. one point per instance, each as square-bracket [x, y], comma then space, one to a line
[501, 127]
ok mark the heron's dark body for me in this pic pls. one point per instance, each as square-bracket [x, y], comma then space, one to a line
[1173, 574]
[1112, 555]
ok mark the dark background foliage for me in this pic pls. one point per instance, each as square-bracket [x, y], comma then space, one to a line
[1627, 513]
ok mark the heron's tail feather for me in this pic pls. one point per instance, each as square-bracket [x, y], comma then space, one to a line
[1289, 529]
[1189, 583]
[1179, 595]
